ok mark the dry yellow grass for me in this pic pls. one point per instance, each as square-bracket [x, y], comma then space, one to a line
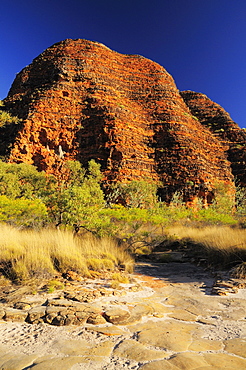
[219, 237]
[222, 245]
[26, 253]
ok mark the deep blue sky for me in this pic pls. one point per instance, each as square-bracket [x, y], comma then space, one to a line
[202, 43]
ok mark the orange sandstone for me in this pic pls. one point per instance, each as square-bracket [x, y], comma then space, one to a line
[80, 100]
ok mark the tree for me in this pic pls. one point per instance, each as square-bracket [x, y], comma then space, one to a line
[135, 194]
[76, 196]
[21, 181]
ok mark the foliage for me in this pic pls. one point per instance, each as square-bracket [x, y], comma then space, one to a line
[5, 117]
[134, 194]
[241, 201]
[21, 181]
[213, 215]
[22, 212]
[76, 196]
[224, 198]
[21, 190]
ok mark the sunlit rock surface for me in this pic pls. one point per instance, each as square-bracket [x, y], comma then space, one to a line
[80, 100]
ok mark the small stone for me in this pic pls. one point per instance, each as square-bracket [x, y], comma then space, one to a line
[59, 302]
[117, 316]
[224, 284]
[96, 319]
[22, 305]
[56, 310]
[17, 294]
[72, 276]
[71, 320]
[93, 309]
[206, 321]
[36, 314]
[59, 320]
[82, 317]
[50, 317]
[240, 284]
[134, 288]
[12, 314]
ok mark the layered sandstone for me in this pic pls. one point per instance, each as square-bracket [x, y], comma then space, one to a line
[80, 100]
[219, 122]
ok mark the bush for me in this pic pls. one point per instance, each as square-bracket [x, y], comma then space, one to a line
[135, 194]
[22, 212]
[5, 117]
[75, 197]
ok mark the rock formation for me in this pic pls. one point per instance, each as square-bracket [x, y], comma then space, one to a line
[80, 100]
[219, 122]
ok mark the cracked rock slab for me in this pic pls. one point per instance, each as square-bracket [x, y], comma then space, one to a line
[236, 346]
[133, 350]
[173, 336]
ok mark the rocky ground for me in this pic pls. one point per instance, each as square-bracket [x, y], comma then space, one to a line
[171, 316]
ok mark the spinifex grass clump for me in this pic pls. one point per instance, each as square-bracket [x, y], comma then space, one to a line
[26, 254]
[223, 246]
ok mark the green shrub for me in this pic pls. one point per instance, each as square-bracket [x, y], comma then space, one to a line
[5, 117]
[22, 212]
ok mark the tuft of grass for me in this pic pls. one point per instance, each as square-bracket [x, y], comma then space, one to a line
[222, 245]
[120, 278]
[115, 284]
[54, 285]
[28, 254]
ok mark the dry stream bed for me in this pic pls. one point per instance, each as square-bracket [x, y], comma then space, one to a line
[172, 316]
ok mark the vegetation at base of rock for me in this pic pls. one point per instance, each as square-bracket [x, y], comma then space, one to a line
[72, 198]
[134, 194]
[28, 254]
[220, 246]
[75, 197]
[22, 212]
[6, 118]
[53, 285]
[36, 202]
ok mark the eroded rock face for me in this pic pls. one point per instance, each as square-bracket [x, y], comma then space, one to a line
[80, 100]
[219, 122]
